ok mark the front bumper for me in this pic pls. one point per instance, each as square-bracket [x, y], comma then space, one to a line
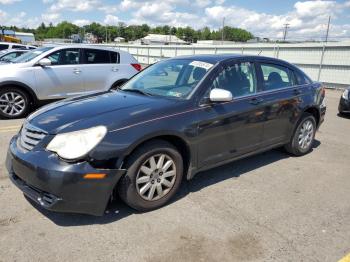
[57, 185]
[344, 106]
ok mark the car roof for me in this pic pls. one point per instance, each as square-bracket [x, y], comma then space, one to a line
[107, 48]
[211, 58]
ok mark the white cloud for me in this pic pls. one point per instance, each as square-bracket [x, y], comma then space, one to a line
[109, 9]
[51, 18]
[314, 8]
[81, 22]
[75, 6]
[111, 20]
[9, 2]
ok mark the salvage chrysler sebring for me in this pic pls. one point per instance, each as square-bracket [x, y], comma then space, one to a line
[172, 120]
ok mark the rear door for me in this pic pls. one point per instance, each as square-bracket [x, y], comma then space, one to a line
[281, 97]
[231, 129]
[63, 78]
[98, 68]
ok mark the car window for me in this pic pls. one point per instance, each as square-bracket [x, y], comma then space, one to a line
[64, 57]
[170, 78]
[239, 79]
[3, 46]
[18, 47]
[301, 78]
[114, 57]
[96, 56]
[275, 76]
[9, 56]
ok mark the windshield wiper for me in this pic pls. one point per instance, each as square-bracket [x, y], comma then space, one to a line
[136, 91]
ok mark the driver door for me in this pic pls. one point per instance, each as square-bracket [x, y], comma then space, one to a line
[230, 129]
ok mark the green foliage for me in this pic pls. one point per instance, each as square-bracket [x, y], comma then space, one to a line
[132, 32]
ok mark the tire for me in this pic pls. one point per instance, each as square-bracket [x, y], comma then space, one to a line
[135, 187]
[305, 131]
[14, 103]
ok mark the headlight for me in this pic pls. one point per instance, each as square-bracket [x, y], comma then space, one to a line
[76, 144]
[346, 94]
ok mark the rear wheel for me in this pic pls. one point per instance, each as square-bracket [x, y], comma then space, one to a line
[153, 177]
[303, 137]
[14, 103]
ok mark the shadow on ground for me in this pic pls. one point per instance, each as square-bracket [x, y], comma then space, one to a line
[343, 115]
[118, 210]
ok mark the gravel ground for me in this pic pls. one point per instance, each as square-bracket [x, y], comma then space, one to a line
[269, 207]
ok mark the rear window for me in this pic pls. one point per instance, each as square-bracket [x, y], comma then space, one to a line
[18, 47]
[95, 56]
[114, 57]
[276, 76]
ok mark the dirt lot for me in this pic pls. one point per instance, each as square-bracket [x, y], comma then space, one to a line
[270, 207]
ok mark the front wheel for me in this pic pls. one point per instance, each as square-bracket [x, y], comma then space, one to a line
[154, 175]
[303, 136]
[14, 103]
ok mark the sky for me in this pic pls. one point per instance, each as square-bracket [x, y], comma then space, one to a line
[264, 18]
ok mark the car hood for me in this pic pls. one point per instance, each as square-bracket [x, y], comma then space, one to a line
[112, 109]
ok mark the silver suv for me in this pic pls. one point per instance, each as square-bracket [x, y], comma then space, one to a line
[50, 73]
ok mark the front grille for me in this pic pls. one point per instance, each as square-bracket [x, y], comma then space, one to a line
[30, 136]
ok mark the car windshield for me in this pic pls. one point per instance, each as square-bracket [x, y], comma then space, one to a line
[171, 78]
[30, 55]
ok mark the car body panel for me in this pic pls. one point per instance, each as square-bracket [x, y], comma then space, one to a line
[63, 81]
[212, 133]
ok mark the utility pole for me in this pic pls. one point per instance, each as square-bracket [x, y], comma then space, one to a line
[222, 32]
[329, 22]
[286, 26]
[106, 34]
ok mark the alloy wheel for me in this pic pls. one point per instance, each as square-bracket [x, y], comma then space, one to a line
[12, 103]
[156, 177]
[306, 134]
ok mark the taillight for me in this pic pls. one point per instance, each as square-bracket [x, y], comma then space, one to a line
[138, 67]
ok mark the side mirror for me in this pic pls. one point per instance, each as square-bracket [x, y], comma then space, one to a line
[220, 95]
[44, 62]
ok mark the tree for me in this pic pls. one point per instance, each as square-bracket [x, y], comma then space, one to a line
[132, 32]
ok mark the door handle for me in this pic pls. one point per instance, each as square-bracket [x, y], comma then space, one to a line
[114, 69]
[76, 71]
[256, 101]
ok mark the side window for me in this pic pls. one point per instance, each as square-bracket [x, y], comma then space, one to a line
[239, 79]
[64, 57]
[276, 76]
[95, 56]
[18, 47]
[114, 57]
[8, 57]
[3, 47]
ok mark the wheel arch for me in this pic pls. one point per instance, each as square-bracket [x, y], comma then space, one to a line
[23, 87]
[174, 139]
[315, 112]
